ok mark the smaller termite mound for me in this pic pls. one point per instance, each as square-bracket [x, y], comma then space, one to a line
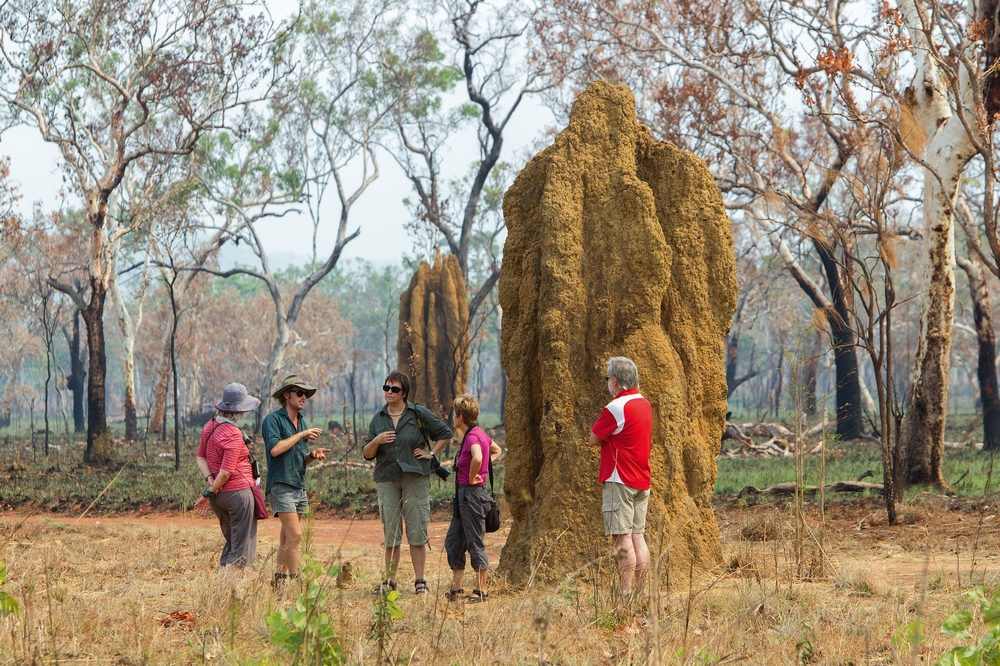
[433, 342]
[618, 245]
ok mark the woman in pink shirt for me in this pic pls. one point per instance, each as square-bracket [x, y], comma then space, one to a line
[468, 524]
[224, 461]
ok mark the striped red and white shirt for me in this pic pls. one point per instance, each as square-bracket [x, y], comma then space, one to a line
[626, 426]
[222, 446]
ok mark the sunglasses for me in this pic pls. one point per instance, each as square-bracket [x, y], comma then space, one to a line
[299, 392]
[394, 389]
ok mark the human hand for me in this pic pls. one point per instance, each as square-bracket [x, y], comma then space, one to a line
[202, 506]
[312, 434]
[320, 454]
[476, 480]
[420, 454]
[386, 437]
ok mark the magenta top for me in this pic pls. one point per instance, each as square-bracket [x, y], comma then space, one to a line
[464, 461]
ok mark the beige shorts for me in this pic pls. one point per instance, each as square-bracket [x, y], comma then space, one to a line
[624, 509]
[407, 500]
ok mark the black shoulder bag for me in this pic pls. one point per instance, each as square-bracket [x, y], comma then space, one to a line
[492, 513]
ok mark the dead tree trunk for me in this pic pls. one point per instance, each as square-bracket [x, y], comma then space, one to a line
[844, 340]
[75, 380]
[99, 448]
[986, 370]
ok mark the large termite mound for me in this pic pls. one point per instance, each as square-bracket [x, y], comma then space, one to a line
[618, 245]
[433, 342]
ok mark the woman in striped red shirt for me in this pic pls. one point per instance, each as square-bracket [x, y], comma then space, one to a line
[224, 461]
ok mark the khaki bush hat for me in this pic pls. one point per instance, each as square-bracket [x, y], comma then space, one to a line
[294, 381]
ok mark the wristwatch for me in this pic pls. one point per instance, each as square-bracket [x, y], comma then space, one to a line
[209, 494]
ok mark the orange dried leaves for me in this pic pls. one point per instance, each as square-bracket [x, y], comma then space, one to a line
[178, 619]
[836, 61]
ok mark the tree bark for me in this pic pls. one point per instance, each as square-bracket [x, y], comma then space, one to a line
[75, 381]
[921, 436]
[99, 447]
[843, 339]
[986, 370]
[8, 403]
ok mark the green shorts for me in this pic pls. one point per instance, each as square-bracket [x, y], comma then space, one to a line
[624, 509]
[407, 500]
[284, 498]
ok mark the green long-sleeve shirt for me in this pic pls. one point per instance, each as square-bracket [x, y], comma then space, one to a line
[396, 457]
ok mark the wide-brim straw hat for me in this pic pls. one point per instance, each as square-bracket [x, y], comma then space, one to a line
[236, 399]
[294, 381]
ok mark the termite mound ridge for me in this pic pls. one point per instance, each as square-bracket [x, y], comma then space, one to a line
[618, 245]
[433, 342]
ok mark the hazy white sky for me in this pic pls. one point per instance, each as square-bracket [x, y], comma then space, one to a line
[379, 212]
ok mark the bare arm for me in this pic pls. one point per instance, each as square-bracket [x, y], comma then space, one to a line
[283, 445]
[477, 462]
[205, 471]
[495, 451]
[595, 440]
[202, 505]
[371, 448]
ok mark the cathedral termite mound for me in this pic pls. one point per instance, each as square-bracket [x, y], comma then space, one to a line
[618, 245]
[433, 342]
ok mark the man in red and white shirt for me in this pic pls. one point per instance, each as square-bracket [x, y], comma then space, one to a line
[624, 432]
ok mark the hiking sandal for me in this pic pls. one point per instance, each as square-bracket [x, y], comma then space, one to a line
[384, 587]
[420, 586]
[477, 597]
[453, 595]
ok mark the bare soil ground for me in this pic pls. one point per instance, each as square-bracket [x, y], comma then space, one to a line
[100, 590]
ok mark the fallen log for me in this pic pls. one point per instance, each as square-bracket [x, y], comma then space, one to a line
[788, 488]
[975, 446]
[733, 431]
[341, 465]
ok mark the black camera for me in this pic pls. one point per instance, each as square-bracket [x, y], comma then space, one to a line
[438, 468]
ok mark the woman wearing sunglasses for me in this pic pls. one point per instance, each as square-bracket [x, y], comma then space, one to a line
[399, 436]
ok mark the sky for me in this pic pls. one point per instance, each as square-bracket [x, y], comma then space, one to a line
[380, 213]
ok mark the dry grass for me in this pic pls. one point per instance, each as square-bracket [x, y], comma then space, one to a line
[103, 594]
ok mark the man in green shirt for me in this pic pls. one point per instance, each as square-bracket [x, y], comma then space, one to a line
[285, 444]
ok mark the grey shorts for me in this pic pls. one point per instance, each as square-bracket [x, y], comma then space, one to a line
[407, 500]
[624, 509]
[284, 498]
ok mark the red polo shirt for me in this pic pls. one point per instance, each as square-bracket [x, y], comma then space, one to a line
[626, 426]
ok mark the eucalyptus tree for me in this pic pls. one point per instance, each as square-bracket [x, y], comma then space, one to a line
[315, 140]
[110, 83]
[481, 47]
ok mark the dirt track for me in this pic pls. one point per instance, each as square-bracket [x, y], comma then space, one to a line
[938, 536]
[354, 536]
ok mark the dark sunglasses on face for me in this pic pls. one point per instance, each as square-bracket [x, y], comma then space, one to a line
[394, 389]
[299, 392]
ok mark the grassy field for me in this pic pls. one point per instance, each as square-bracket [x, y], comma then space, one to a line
[143, 587]
[126, 591]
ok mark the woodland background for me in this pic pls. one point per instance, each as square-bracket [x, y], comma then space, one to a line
[853, 143]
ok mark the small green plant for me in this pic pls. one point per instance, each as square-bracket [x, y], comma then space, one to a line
[305, 629]
[8, 604]
[385, 613]
[805, 647]
[985, 650]
[911, 635]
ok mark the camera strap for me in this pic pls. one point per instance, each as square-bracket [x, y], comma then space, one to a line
[460, 448]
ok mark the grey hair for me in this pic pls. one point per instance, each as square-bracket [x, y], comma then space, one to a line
[232, 416]
[624, 370]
